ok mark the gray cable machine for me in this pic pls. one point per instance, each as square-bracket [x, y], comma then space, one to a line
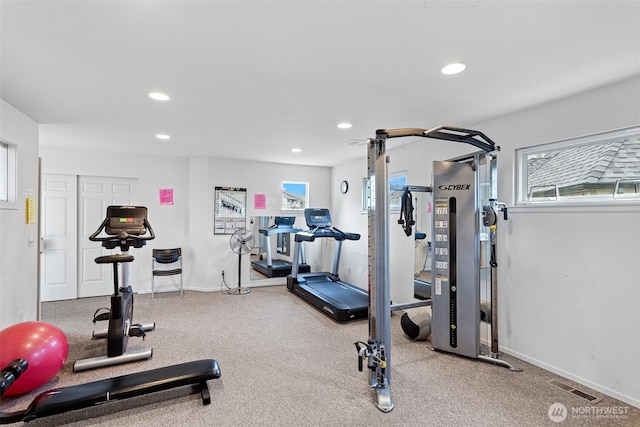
[465, 200]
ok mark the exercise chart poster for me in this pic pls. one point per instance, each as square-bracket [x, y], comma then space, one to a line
[230, 209]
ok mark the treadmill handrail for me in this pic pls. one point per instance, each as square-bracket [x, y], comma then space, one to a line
[311, 234]
[278, 230]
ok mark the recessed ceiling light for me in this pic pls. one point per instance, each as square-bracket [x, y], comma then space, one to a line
[453, 68]
[163, 136]
[344, 125]
[296, 150]
[159, 96]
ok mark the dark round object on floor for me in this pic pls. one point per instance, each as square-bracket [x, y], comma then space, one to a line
[416, 323]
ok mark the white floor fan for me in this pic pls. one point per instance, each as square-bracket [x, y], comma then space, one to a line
[241, 243]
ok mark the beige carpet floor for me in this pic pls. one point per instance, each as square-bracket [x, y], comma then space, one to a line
[284, 363]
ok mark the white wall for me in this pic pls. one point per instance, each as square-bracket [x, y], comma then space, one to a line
[213, 251]
[169, 222]
[188, 223]
[569, 290]
[18, 261]
[347, 216]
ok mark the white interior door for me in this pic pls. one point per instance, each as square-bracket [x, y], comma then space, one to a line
[58, 259]
[95, 194]
[72, 209]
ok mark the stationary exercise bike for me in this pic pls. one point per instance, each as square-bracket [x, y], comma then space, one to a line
[124, 227]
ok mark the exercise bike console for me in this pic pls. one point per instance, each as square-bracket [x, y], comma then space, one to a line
[125, 227]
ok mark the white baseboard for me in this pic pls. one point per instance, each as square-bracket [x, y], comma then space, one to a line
[633, 401]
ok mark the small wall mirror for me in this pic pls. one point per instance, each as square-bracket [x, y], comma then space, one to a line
[275, 241]
[422, 256]
[422, 205]
[397, 180]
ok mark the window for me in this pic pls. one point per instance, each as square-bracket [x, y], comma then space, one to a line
[592, 168]
[397, 180]
[295, 195]
[7, 173]
[367, 194]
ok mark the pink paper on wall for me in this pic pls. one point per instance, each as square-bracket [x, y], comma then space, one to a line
[260, 201]
[166, 196]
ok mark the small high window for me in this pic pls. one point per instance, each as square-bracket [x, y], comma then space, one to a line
[592, 168]
[7, 173]
[295, 195]
[397, 180]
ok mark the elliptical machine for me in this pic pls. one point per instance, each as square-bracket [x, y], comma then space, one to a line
[124, 227]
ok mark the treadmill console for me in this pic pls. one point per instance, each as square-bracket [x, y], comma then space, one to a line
[285, 221]
[317, 218]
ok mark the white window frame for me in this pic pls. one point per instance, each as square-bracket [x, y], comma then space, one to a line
[522, 154]
[286, 205]
[8, 198]
[368, 191]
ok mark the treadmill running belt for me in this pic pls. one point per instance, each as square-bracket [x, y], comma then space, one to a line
[342, 301]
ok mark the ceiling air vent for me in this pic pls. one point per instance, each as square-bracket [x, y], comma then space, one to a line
[356, 142]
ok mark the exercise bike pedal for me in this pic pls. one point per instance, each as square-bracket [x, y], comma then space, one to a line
[137, 330]
[99, 317]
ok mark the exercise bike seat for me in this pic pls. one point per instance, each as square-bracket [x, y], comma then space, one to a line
[116, 258]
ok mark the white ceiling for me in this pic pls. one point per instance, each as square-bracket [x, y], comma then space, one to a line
[251, 80]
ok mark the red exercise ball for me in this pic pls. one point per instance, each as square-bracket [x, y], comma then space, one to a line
[43, 345]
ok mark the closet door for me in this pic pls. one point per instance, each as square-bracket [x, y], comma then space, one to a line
[94, 195]
[58, 258]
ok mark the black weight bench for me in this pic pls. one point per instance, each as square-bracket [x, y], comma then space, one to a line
[60, 400]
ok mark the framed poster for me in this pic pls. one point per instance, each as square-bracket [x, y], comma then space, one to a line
[229, 209]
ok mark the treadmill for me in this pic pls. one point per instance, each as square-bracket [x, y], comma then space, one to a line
[339, 300]
[277, 267]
